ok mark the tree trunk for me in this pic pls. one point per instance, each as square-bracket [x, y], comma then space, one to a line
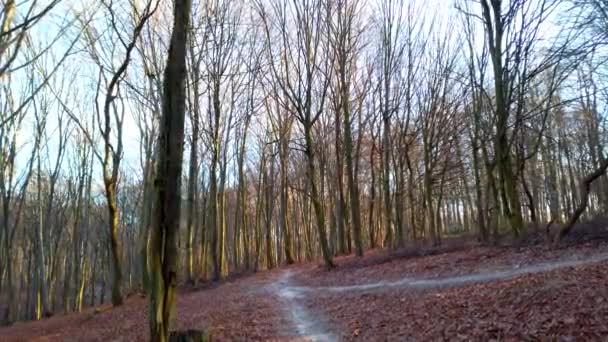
[267, 189]
[339, 180]
[507, 181]
[353, 185]
[372, 199]
[42, 304]
[386, 190]
[114, 245]
[315, 198]
[192, 189]
[284, 198]
[164, 256]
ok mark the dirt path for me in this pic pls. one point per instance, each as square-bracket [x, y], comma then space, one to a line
[311, 327]
[307, 327]
[271, 306]
[426, 283]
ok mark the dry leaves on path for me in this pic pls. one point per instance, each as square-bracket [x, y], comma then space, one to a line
[239, 310]
[563, 304]
[389, 266]
[566, 304]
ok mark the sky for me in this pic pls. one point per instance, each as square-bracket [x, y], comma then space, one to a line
[81, 87]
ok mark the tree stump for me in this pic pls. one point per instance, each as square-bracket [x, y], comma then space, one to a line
[190, 336]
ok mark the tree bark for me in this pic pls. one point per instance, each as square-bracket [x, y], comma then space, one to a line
[495, 29]
[192, 183]
[315, 197]
[164, 256]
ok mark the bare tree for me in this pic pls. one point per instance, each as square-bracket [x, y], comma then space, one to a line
[301, 58]
[164, 256]
[111, 115]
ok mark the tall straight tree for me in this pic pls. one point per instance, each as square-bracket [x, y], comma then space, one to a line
[194, 109]
[391, 51]
[164, 256]
[282, 122]
[346, 38]
[221, 48]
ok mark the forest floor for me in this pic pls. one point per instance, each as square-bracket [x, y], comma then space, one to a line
[468, 293]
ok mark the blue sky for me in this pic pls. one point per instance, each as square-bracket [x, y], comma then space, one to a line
[82, 87]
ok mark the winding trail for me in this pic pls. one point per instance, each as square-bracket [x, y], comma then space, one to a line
[311, 328]
[308, 327]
